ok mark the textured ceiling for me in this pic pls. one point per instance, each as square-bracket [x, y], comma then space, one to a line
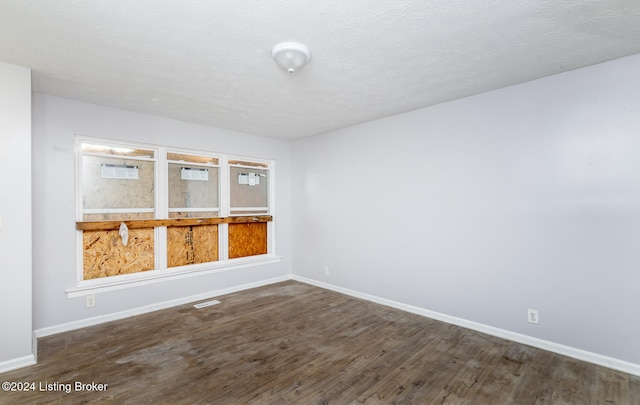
[210, 62]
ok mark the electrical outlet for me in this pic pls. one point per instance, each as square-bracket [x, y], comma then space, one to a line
[326, 271]
[532, 316]
[90, 301]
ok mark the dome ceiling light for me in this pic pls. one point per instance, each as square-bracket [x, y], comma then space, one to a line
[291, 56]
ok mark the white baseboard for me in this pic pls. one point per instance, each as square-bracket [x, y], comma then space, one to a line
[83, 323]
[609, 362]
[20, 362]
[34, 346]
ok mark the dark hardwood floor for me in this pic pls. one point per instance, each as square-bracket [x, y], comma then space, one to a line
[292, 343]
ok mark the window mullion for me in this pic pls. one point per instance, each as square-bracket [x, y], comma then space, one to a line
[223, 229]
[162, 210]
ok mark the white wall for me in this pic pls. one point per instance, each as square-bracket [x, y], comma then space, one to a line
[55, 122]
[15, 216]
[480, 208]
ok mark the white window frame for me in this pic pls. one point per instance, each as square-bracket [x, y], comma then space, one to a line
[161, 272]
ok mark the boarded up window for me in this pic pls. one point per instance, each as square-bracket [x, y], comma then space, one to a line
[191, 245]
[104, 254]
[158, 192]
[247, 239]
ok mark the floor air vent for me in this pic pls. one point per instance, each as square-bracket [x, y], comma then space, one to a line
[206, 304]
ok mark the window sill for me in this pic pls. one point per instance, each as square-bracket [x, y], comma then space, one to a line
[114, 283]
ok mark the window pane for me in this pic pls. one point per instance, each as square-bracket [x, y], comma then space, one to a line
[244, 163]
[117, 188]
[180, 157]
[116, 151]
[249, 190]
[193, 191]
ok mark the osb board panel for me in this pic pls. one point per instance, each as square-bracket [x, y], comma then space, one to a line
[109, 150]
[201, 214]
[192, 158]
[104, 193]
[104, 254]
[247, 239]
[192, 193]
[253, 212]
[191, 244]
[244, 195]
[244, 163]
[128, 216]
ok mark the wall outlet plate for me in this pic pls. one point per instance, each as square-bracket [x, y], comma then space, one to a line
[90, 300]
[532, 316]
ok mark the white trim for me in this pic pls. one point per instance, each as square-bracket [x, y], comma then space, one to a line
[162, 202]
[271, 229]
[19, 362]
[250, 209]
[65, 327]
[114, 283]
[224, 186]
[594, 358]
[224, 200]
[34, 346]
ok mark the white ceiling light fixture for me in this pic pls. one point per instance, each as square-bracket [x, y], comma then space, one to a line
[291, 56]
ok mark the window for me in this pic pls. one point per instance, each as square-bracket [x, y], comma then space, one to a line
[117, 183]
[193, 186]
[147, 212]
[249, 188]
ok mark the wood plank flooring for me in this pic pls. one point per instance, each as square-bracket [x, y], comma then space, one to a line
[292, 343]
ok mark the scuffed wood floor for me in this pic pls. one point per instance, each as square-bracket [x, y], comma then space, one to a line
[291, 343]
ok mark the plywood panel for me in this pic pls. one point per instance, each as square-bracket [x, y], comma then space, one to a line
[247, 239]
[191, 244]
[130, 216]
[245, 163]
[110, 225]
[104, 255]
[180, 157]
[117, 151]
[200, 214]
